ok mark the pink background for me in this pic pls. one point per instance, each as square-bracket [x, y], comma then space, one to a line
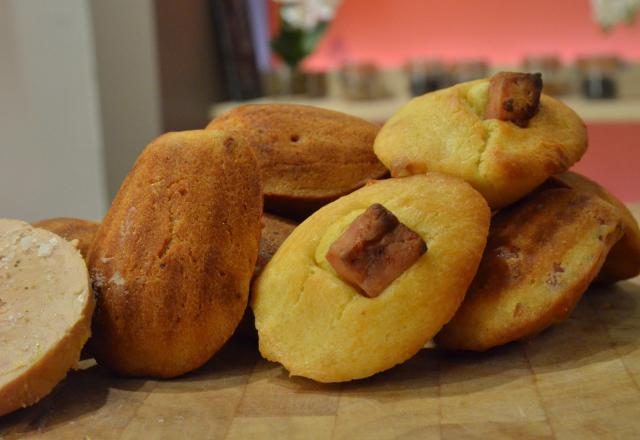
[613, 158]
[390, 32]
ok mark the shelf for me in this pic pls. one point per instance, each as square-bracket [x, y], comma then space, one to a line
[617, 110]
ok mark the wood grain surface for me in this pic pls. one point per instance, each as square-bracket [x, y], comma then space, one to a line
[579, 380]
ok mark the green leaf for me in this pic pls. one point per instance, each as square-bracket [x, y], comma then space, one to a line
[293, 45]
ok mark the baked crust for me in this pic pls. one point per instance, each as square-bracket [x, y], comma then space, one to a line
[72, 229]
[623, 261]
[173, 258]
[542, 254]
[275, 230]
[446, 131]
[308, 156]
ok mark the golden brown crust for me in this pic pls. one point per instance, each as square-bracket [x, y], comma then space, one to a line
[308, 156]
[541, 256]
[623, 261]
[274, 231]
[72, 229]
[172, 261]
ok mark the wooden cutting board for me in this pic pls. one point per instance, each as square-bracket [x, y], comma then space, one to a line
[579, 380]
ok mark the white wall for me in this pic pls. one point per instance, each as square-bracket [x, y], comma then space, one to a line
[128, 79]
[50, 131]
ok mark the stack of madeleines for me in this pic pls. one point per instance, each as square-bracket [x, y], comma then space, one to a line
[456, 222]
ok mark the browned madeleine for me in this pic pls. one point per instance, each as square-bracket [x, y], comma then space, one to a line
[172, 261]
[541, 256]
[72, 229]
[623, 261]
[274, 231]
[308, 156]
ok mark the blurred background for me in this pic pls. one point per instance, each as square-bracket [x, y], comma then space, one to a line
[86, 84]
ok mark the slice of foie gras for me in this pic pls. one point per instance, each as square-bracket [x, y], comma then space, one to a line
[375, 250]
[45, 312]
[514, 97]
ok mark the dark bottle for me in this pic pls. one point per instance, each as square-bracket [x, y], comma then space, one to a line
[598, 86]
[426, 76]
[598, 76]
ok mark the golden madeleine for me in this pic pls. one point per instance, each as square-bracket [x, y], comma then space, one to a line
[448, 131]
[308, 156]
[320, 326]
[172, 261]
[623, 261]
[542, 254]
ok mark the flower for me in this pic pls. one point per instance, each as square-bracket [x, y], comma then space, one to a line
[611, 12]
[302, 23]
[306, 15]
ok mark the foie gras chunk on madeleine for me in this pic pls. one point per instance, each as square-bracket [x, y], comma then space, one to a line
[514, 97]
[375, 250]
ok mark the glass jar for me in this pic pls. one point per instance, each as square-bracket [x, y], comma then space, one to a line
[426, 76]
[598, 76]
